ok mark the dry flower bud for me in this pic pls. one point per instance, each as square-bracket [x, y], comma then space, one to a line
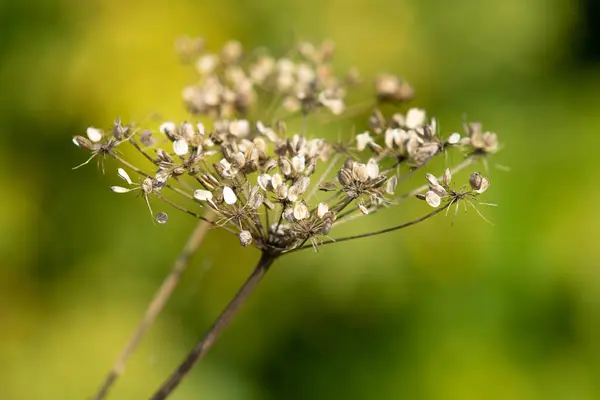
[245, 238]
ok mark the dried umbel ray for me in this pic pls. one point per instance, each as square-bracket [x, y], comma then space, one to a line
[276, 189]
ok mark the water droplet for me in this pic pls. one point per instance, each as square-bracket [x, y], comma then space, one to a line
[162, 218]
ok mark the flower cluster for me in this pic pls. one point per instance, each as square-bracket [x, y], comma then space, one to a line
[275, 189]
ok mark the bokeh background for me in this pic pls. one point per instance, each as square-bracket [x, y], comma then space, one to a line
[470, 311]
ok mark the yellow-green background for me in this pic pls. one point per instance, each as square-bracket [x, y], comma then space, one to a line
[473, 311]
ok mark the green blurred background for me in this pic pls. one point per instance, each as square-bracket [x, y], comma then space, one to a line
[470, 311]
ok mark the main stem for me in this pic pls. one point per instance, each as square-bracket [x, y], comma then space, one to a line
[158, 302]
[218, 326]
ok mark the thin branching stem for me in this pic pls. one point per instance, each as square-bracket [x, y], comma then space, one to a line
[219, 325]
[379, 232]
[157, 303]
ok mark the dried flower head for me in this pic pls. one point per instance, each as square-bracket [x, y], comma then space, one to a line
[262, 180]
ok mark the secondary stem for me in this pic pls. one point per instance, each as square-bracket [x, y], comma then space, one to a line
[216, 329]
[156, 305]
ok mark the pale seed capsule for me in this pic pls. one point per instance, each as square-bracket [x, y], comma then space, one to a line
[238, 160]
[447, 176]
[454, 138]
[363, 209]
[285, 166]
[94, 134]
[282, 191]
[229, 196]
[255, 199]
[345, 176]
[298, 163]
[322, 209]
[276, 181]
[303, 183]
[245, 238]
[476, 180]
[438, 189]
[164, 156]
[169, 129]
[360, 172]
[203, 195]
[432, 179]
[82, 142]
[293, 193]
[264, 181]
[390, 186]
[485, 183]
[147, 185]
[288, 214]
[372, 169]
[300, 211]
[433, 199]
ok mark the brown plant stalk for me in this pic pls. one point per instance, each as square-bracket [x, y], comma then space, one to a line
[213, 333]
[156, 305]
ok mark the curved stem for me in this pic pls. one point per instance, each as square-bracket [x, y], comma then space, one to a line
[158, 302]
[379, 232]
[218, 326]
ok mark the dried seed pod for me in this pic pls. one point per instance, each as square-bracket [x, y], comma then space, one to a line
[447, 177]
[345, 176]
[161, 218]
[285, 166]
[245, 238]
[82, 142]
[476, 180]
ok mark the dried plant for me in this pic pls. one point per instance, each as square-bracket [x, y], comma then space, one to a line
[259, 180]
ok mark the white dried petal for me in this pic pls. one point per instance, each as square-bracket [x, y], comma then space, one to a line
[207, 63]
[300, 211]
[281, 191]
[363, 209]
[298, 163]
[229, 196]
[302, 183]
[203, 195]
[390, 137]
[263, 181]
[432, 179]
[293, 194]
[245, 238]
[322, 209]
[94, 134]
[390, 186]
[168, 128]
[415, 117]
[180, 147]
[124, 175]
[454, 138]
[433, 199]
[276, 181]
[362, 140]
[372, 168]
[119, 189]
